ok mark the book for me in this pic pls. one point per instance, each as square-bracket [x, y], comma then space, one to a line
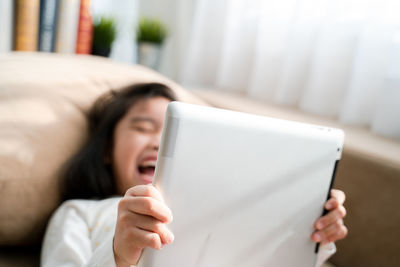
[48, 14]
[26, 25]
[85, 29]
[6, 25]
[67, 26]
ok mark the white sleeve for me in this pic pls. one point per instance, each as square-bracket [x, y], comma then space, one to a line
[325, 252]
[67, 241]
[103, 255]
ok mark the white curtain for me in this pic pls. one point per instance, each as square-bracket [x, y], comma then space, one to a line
[338, 58]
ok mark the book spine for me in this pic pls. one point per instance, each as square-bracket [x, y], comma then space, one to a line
[26, 25]
[48, 14]
[67, 26]
[85, 29]
[6, 25]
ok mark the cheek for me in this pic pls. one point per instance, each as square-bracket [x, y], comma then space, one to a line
[125, 153]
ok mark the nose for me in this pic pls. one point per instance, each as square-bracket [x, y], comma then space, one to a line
[155, 141]
[155, 146]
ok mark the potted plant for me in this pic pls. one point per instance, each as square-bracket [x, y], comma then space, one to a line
[150, 35]
[104, 33]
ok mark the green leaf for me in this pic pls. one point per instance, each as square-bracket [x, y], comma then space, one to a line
[151, 30]
[104, 32]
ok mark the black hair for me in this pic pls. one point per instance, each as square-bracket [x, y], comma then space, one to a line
[87, 175]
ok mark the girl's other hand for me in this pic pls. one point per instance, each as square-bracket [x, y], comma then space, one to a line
[330, 227]
[141, 222]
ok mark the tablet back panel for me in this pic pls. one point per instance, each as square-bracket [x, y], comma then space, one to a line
[245, 190]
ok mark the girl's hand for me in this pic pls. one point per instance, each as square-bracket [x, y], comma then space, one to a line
[330, 227]
[141, 222]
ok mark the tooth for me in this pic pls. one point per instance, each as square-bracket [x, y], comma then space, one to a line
[147, 165]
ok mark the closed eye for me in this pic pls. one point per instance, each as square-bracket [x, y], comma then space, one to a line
[143, 129]
[143, 124]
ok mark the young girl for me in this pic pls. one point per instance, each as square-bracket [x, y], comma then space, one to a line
[119, 160]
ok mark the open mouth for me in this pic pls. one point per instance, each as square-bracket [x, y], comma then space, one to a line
[147, 170]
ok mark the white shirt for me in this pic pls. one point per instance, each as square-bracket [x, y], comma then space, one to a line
[80, 233]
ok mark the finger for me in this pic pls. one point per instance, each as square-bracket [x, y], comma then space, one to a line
[141, 239]
[330, 218]
[339, 195]
[331, 204]
[337, 235]
[337, 198]
[144, 191]
[152, 225]
[332, 233]
[324, 233]
[147, 206]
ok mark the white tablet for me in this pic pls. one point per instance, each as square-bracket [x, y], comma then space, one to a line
[245, 190]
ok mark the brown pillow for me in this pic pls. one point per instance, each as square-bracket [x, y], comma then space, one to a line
[43, 103]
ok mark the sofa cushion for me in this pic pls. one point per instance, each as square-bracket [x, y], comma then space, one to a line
[44, 99]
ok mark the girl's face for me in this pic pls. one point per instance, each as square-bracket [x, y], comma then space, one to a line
[136, 140]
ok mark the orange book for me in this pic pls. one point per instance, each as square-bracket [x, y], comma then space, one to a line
[85, 29]
[26, 25]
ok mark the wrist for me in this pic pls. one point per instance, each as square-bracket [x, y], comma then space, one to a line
[118, 261]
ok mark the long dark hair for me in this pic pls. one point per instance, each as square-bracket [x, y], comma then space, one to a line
[86, 175]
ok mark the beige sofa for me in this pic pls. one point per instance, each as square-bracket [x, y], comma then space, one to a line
[43, 102]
